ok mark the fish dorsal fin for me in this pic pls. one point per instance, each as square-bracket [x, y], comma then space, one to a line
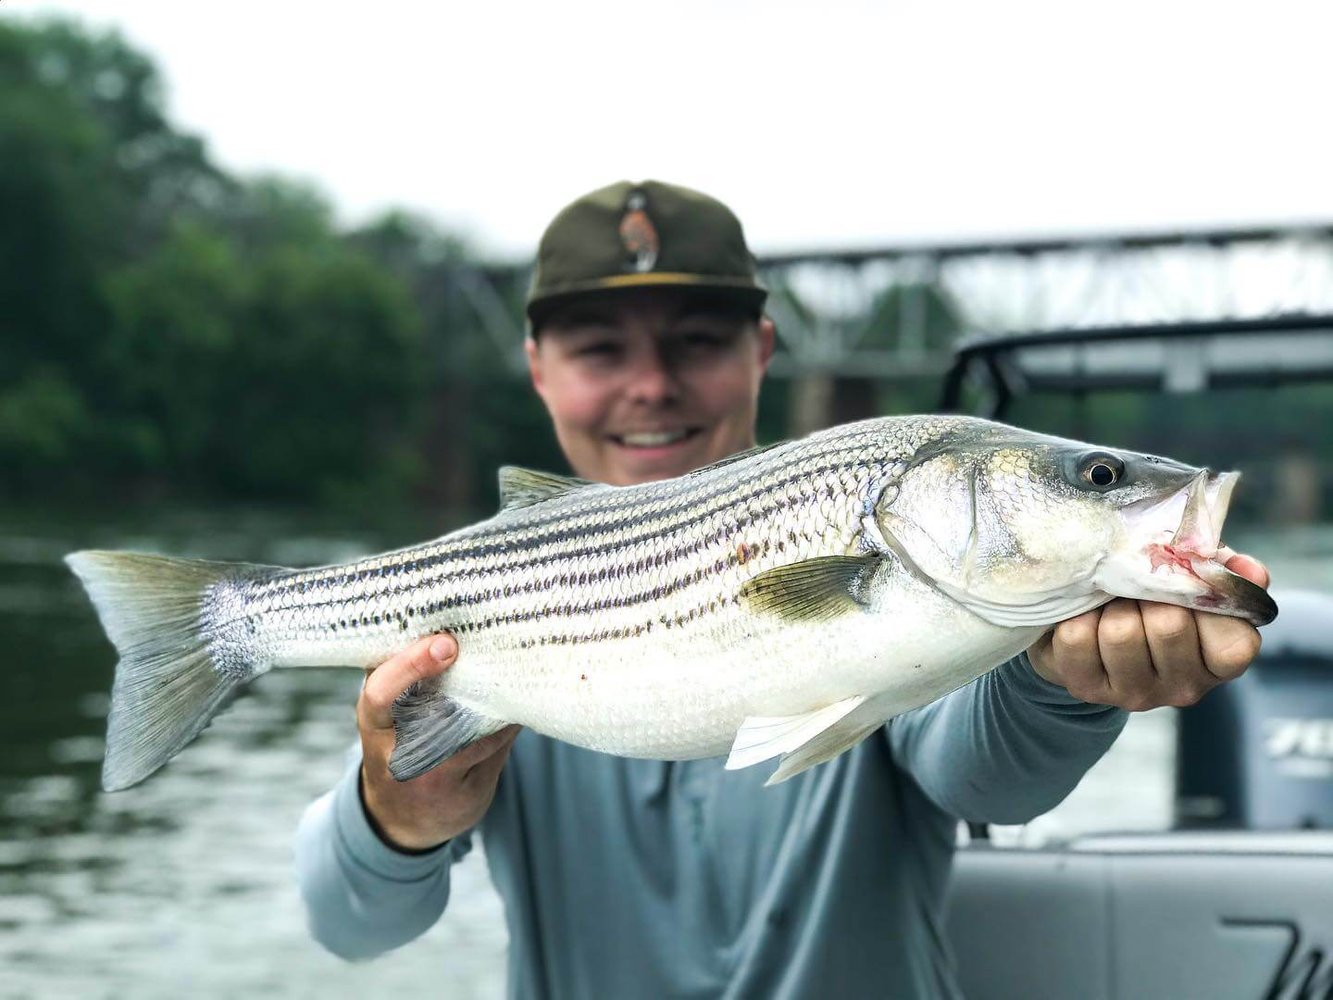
[763, 737]
[520, 487]
[739, 456]
[813, 589]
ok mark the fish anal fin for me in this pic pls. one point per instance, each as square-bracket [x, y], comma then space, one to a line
[430, 727]
[839, 739]
[813, 589]
[763, 737]
[520, 487]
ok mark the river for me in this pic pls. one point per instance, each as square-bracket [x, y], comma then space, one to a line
[183, 885]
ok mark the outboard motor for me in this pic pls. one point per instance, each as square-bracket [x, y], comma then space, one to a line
[1258, 753]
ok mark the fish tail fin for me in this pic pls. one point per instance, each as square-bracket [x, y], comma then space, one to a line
[168, 683]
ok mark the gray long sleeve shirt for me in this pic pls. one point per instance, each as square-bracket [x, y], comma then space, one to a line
[634, 878]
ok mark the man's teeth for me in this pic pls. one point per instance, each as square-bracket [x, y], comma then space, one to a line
[653, 439]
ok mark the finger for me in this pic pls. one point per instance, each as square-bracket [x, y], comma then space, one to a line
[1173, 638]
[1248, 567]
[1077, 658]
[485, 748]
[423, 659]
[1122, 643]
[1228, 645]
[487, 771]
[1042, 657]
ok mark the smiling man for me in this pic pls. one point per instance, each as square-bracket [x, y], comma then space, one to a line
[638, 878]
[649, 383]
[648, 341]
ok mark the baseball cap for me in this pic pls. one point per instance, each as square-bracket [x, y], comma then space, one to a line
[633, 235]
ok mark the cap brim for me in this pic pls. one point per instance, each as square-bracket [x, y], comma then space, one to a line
[742, 290]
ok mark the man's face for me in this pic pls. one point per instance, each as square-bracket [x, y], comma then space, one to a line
[649, 383]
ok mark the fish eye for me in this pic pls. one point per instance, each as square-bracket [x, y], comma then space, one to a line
[1102, 471]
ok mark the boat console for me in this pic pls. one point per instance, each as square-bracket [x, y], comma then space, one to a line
[1235, 898]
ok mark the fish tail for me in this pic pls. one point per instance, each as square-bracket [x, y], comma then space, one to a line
[173, 677]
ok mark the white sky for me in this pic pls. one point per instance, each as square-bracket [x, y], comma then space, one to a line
[829, 123]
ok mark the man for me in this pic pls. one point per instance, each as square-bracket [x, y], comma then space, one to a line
[627, 878]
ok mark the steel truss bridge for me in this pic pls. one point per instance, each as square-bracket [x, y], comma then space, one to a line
[896, 312]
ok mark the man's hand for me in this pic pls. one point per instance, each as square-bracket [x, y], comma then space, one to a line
[441, 804]
[1139, 655]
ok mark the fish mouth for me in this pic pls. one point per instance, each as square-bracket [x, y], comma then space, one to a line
[1179, 558]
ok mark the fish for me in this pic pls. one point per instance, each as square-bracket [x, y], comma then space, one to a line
[779, 604]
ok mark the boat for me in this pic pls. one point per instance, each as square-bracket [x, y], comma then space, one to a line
[1234, 897]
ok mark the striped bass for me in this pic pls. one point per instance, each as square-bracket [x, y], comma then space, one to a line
[781, 603]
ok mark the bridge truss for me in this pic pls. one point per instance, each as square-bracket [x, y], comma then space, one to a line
[895, 313]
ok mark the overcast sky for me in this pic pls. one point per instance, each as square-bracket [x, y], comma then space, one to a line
[827, 123]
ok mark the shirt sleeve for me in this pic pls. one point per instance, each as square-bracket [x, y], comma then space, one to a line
[362, 897]
[1005, 748]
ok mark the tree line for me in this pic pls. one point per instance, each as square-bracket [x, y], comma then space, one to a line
[170, 331]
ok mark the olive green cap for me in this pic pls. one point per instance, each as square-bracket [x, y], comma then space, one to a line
[632, 235]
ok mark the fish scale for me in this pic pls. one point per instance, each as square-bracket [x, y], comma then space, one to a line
[783, 602]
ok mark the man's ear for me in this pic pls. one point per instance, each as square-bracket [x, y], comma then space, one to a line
[533, 354]
[767, 332]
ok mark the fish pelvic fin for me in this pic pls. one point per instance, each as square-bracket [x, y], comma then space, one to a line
[168, 685]
[430, 727]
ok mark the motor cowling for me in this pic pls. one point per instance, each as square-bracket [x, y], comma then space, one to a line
[1258, 753]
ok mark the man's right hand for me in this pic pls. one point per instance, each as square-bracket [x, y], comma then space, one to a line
[449, 800]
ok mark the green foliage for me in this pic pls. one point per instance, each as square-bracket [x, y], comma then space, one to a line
[166, 329]
[169, 332]
[913, 309]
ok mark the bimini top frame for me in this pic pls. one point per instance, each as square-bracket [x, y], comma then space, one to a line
[1171, 357]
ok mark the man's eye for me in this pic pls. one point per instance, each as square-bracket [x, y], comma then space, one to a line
[597, 350]
[703, 340]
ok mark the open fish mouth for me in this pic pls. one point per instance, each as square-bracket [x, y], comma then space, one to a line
[1185, 562]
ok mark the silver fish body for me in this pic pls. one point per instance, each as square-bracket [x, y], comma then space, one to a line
[781, 603]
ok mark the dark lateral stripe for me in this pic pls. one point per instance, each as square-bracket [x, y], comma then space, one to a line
[663, 559]
[696, 613]
[505, 539]
[455, 564]
[604, 603]
[457, 549]
[811, 464]
[888, 448]
[467, 599]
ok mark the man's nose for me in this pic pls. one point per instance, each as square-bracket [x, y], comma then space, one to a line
[652, 379]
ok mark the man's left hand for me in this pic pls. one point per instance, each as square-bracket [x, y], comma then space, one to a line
[1139, 655]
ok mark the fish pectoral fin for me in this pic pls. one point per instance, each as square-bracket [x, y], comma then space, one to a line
[813, 589]
[429, 727]
[824, 747]
[763, 737]
[520, 487]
